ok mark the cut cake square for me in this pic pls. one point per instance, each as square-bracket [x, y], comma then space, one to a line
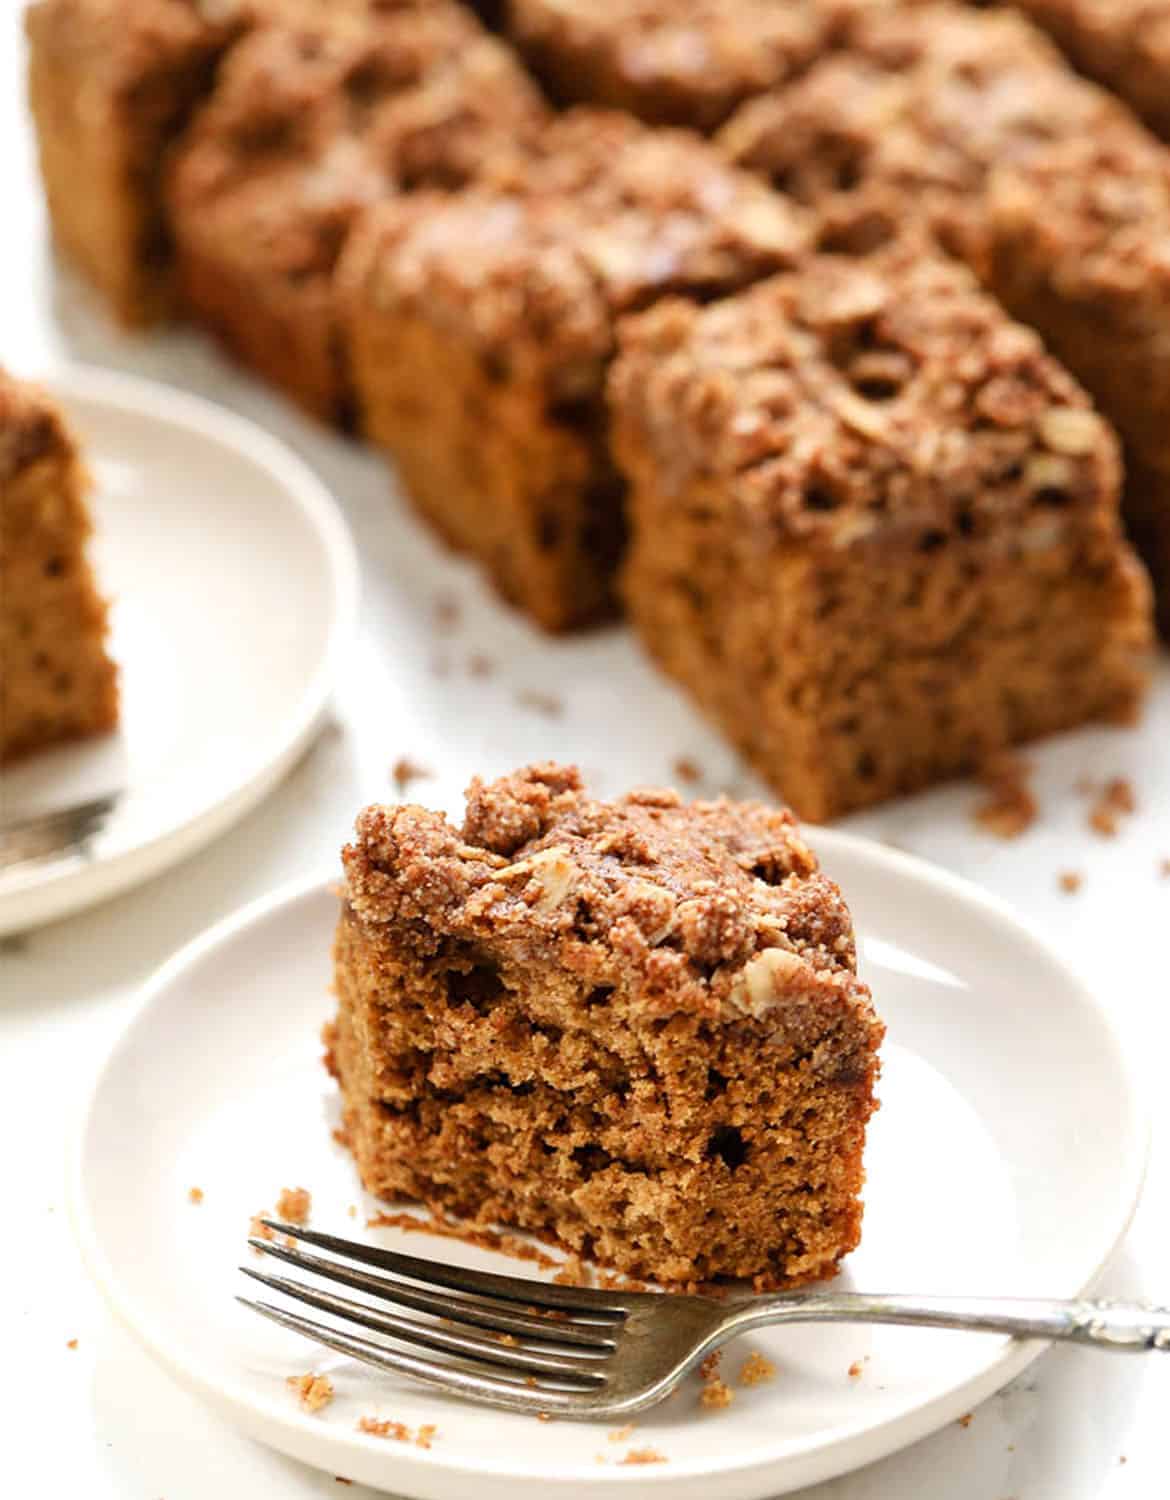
[633, 1028]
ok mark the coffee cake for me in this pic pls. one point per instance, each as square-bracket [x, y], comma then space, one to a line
[481, 323]
[632, 1028]
[110, 84]
[307, 126]
[56, 680]
[973, 125]
[874, 526]
[1081, 250]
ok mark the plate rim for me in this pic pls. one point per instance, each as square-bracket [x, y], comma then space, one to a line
[842, 1451]
[59, 888]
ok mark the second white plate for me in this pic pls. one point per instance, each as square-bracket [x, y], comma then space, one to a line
[234, 587]
[1006, 1159]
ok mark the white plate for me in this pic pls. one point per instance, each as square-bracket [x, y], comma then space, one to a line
[1007, 1158]
[233, 581]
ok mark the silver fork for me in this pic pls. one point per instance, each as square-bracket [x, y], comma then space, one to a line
[593, 1355]
[66, 830]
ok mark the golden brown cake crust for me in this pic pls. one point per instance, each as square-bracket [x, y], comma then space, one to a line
[875, 526]
[506, 295]
[56, 680]
[632, 1027]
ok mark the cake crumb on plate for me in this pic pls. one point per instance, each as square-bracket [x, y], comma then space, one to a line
[313, 1391]
[644, 1456]
[1070, 881]
[257, 1229]
[385, 1428]
[1113, 801]
[547, 704]
[1010, 808]
[405, 771]
[195, 1195]
[966, 1419]
[293, 1205]
[716, 1394]
[756, 1369]
[621, 1434]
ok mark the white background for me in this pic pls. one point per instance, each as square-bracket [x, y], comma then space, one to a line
[100, 1421]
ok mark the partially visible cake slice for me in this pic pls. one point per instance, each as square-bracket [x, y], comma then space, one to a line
[307, 126]
[874, 526]
[634, 1028]
[56, 680]
[110, 84]
[480, 324]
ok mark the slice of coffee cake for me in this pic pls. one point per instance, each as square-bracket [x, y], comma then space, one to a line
[57, 681]
[633, 1028]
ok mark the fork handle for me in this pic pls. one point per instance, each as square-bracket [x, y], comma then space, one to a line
[1103, 1324]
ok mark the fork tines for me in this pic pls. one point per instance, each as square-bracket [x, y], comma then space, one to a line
[505, 1340]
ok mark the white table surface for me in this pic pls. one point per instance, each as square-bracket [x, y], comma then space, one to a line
[101, 1421]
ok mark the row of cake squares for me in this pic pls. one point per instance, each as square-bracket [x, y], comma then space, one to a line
[873, 524]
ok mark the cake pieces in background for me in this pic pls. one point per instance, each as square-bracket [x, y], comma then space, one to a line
[972, 123]
[668, 62]
[1124, 44]
[910, 120]
[308, 125]
[110, 85]
[480, 326]
[875, 527]
[56, 680]
[1081, 250]
[632, 1028]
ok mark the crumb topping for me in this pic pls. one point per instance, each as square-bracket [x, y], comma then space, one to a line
[884, 397]
[310, 123]
[598, 218]
[914, 116]
[714, 906]
[701, 57]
